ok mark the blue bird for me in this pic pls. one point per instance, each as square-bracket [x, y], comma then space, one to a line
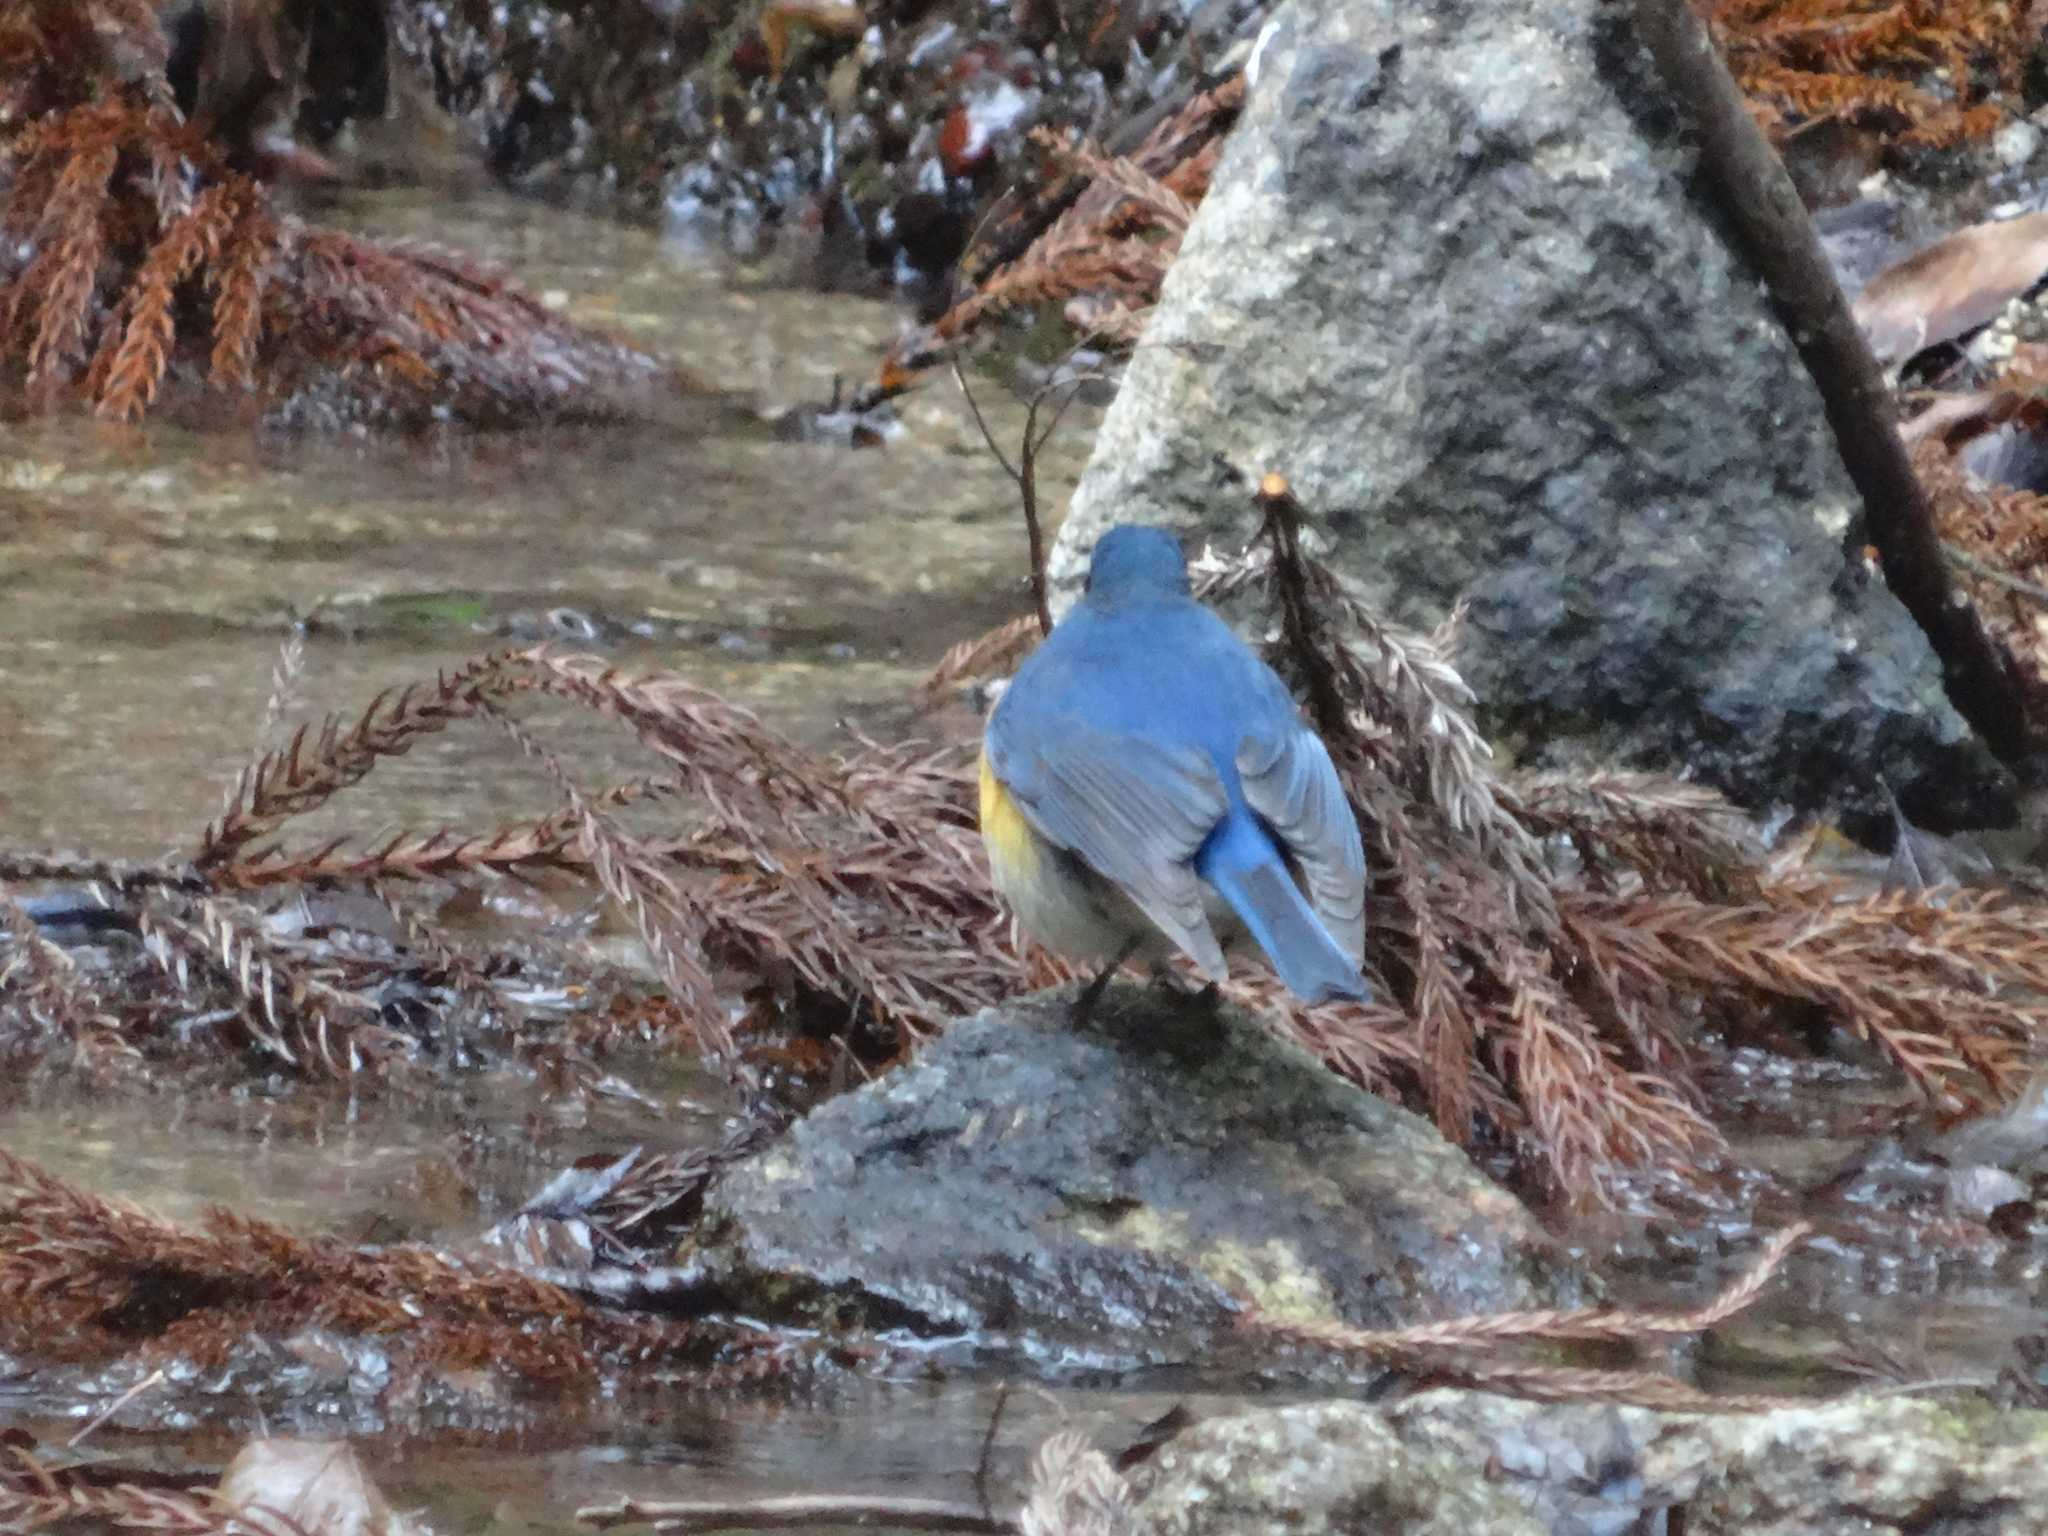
[1146, 775]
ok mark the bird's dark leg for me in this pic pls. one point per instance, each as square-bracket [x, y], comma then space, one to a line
[1208, 997]
[1084, 1005]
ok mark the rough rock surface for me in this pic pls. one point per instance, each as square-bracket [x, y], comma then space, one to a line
[1102, 1193]
[1317, 1467]
[1865, 1466]
[1452, 281]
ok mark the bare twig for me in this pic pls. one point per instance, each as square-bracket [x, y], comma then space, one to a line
[1964, 561]
[1025, 474]
[1764, 209]
[795, 1512]
[1550, 1325]
[982, 1463]
[148, 1383]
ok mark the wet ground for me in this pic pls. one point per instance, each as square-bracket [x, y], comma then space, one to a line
[147, 581]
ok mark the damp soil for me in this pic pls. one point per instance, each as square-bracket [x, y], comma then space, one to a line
[148, 579]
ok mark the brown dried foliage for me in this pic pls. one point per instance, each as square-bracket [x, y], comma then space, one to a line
[84, 1280]
[858, 880]
[1569, 982]
[1997, 537]
[38, 1494]
[50, 996]
[1103, 230]
[1464, 1350]
[136, 255]
[1877, 62]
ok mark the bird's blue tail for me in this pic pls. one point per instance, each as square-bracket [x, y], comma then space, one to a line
[1240, 861]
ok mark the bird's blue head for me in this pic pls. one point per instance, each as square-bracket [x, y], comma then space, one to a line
[1133, 563]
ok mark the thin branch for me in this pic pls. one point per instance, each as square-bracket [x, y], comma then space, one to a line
[795, 1512]
[1026, 478]
[1551, 1325]
[1966, 562]
[988, 1446]
[1764, 209]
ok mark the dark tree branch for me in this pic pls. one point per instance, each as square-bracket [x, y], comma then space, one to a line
[1755, 193]
[797, 1512]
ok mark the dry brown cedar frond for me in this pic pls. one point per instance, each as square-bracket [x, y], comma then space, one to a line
[1136, 198]
[761, 790]
[1001, 650]
[1873, 61]
[516, 849]
[1997, 538]
[83, 1280]
[1621, 1325]
[63, 53]
[909, 889]
[666, 915]
[39, 1495]
[291, 1014]
[44, 995]
[1446, 1030]
[1574, 1384]
[862, 875]
[1464, 925]
[144, 354]
[131, 241]
[1500, 919]
[423, 325]
[1104, 229]
[717, 749]
[1939, 981]
[20, 868]
[1447, 1350]
[238, 282]
[63, 276]
[1587, 1112]
[1646, 830]
[1383, 690]
[312, 768]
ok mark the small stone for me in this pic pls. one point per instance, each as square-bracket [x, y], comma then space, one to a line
[2016, 143]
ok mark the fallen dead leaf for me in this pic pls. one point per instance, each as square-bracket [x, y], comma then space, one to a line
[1953, 286]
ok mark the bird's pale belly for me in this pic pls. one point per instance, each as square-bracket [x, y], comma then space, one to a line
[1059, 900]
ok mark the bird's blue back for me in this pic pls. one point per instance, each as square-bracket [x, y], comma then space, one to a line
[1127, 736]
[1160, 667]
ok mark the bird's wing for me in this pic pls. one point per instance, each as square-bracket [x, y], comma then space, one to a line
[1290, 782]
[1134, 812]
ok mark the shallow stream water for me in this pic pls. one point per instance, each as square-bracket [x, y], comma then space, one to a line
[150, 576]
[147, 581]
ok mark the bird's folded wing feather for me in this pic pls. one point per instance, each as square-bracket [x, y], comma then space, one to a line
[1134, 812]
[1290, 782]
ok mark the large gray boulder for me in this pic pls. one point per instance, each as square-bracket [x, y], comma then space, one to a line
[1496, 1466]
[1453, 281]
[1111, 1192]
